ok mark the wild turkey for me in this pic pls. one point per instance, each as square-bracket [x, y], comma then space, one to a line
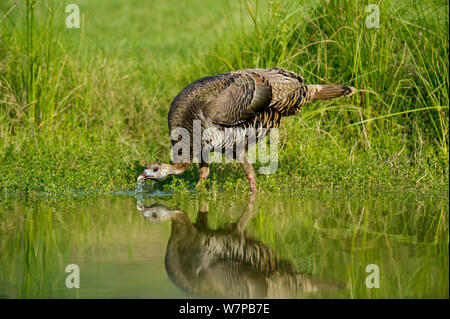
[227, 262]
[251, 98]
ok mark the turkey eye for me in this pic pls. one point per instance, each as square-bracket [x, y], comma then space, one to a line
[155, 169]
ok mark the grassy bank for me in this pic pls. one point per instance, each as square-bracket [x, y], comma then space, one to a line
[84, 109]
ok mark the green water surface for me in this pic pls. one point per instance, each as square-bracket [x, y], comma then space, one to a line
[280, 246]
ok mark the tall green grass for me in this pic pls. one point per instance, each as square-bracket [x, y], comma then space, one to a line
[400, 69]
[85, 108]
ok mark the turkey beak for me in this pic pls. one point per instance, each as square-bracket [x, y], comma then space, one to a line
[142, 177]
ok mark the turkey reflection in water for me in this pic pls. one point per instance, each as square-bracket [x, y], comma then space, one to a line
[227, 262]
[282, 245]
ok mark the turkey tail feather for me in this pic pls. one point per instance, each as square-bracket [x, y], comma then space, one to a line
[320, 92]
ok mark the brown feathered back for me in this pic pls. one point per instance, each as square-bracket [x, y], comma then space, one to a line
[256, 98]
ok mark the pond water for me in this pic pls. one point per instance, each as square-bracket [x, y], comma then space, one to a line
[280, 246]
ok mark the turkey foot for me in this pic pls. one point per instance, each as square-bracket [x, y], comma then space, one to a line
[204, 173]
[250, 174]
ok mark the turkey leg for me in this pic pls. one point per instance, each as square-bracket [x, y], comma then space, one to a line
[250, 174]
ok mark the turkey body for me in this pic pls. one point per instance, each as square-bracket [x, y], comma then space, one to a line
[245, 99]
[236, 109]
[240, 100]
